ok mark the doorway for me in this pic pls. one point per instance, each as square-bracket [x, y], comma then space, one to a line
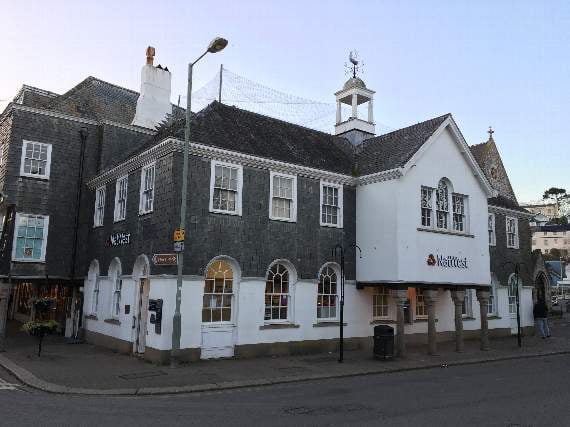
[140, 317]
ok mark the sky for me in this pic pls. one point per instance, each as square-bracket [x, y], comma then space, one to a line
[504, 64]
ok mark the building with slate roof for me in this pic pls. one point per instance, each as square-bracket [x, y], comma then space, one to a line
[91, 199]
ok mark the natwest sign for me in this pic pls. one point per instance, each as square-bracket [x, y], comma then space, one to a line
[448, 261]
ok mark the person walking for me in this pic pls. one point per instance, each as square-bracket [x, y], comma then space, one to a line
[540, 313]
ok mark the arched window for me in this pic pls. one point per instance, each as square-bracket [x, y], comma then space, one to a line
[442, 204]
[327, 294]
[513, 289]
[93, 277]
[218, 293]
[277, 293]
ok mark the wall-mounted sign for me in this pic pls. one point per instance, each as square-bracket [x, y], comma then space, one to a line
[446, 261]
[179, 235]
[178, 246]
[165, 259]
[118, 239]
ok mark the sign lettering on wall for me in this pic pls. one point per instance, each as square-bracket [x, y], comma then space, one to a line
[118, 239]
[446, 261]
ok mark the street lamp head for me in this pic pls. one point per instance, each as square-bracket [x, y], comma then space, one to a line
[219, 43]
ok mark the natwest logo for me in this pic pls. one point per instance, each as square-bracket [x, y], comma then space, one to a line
[446, 261]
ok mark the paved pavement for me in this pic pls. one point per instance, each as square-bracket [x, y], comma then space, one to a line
[523, 392]
[87, 369]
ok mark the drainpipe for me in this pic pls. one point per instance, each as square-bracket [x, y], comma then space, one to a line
[83, 134]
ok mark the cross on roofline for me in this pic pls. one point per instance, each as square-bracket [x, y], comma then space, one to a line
[490, 132]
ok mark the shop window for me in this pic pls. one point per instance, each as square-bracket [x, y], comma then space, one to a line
[218, 293]
[327, 294]
[277, 295]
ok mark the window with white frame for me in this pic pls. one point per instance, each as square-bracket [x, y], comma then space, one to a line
[283, 197]
[491, 229]
[225, 188]
[512, 232]
[331, 204]
[426, 206]
[327, 294]
[121, 188]
[421, 306]
[380, 307]
[95, 296]
[147, 189]
[218, 293]
[512, 294]
[118, 285]
[467, 306]
[442, 205]
[277, 293]
[458, 204]
[36, 160]
[30, 238]
[492, 307]
[99, 214]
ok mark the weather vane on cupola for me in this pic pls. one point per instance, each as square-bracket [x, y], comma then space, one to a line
[356, 66]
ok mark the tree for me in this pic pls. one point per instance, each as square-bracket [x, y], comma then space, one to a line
[558, 196]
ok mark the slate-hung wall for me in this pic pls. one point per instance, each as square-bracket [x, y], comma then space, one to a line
[252, 239]
[149, 233]
[56, 196]
[500, 254]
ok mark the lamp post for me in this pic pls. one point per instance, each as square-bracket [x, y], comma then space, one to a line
[215, 46]
[340, 248]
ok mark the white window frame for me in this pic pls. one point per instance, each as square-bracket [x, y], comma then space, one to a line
[116, 296]
[95, 297]
[142, 204]
[492, 309]
[100, 196]
[329, 294]
[516, 234]
[463, 199]
[468, 304]
[339, 223]
[238, 210]
[420, 302]
[44, 237]
[288, 295]
[23, 158]
[293, 217]
[379, 292]
[118, 215]
[429, 206]
[492, 230]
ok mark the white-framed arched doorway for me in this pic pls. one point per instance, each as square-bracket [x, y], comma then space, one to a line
[220, 307]
[141, 272]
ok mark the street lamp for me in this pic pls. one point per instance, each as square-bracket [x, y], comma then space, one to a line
[340, 248]
[215, 46]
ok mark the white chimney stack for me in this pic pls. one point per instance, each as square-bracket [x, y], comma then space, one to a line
[154, 101]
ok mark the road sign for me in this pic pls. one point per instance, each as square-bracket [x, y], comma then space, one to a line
[179, 235]
[178, 246]
[165, 259]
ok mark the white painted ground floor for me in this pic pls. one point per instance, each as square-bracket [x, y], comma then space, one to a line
[225, 315]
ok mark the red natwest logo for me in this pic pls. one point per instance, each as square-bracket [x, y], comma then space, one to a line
[431, 260]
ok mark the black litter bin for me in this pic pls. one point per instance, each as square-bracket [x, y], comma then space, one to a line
[383, 341]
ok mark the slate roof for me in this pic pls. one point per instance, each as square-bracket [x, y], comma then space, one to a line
[98, 100]
[234, 129]
[505, 202]
[34, 97]
[394, 149]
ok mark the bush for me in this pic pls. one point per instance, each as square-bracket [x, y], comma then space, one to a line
[40, 328]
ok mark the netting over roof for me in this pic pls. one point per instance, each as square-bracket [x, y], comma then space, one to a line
[252, 96]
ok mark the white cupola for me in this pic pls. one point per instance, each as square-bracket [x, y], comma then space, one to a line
[354, 93]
